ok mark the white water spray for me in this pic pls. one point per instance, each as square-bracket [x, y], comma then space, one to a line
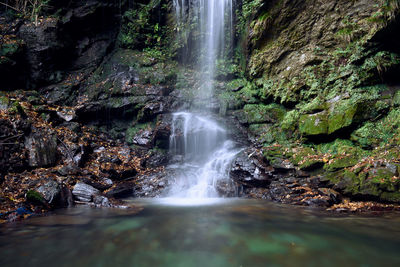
[205, 154]
[214, 20]
[199, 141]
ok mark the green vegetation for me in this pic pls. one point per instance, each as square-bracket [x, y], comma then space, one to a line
[31, 9]
[140, 30]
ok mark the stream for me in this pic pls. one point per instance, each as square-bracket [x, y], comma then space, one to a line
[211, 232]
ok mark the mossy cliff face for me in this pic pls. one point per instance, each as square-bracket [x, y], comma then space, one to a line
[318, 78]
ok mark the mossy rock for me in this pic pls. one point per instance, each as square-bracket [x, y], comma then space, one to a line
[131, 132]
[314, 124]
[338, 116]
[382, 132]
[35, 197]
[312, 164]
[301, 153]
[8, 52]
[249, 94]
[318, 104]
[276, 153]
[236, 85]
[267, 134]
[341, 162]
[255, 114]
[290, 121]
[342, 116]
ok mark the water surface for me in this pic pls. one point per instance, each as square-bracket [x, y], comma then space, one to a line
[218, 232]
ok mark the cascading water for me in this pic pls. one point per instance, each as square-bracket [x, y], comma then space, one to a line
[199, 142]
[204, 155]
[214, 20]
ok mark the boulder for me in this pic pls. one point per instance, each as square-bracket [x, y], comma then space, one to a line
[245, 170]
[101, 201]
[84, 192]
[50, 191]
[314, 124]
[338, 116]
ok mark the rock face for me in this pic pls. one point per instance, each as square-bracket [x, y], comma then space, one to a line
[316, 90]
[78, 37]
[42, 149]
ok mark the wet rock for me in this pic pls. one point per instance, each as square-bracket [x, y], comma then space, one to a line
[282, 164]
[143, 138]
[70, 169]
[156, 159]
[118, 175]
[100, 184]
[121, 191]
[42, 149]
[51, 191]
[66, 197]
[84, 192]
[245, 171]
[153, 185]
[81, 155]
[320, 201]
[150, 111]
[101, 201]
[66, 115]
[334, 196]
[42, 44]
[107, 158]
[226, 188]
[162, 132]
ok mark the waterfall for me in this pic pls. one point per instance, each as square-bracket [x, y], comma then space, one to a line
[205, 155]
[199, 145]
[214, 22]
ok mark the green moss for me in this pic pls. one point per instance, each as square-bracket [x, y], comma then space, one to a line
[275, 153]
[17, 108]
[289, 122]
[131, 132]
[301, 154]
[314, 124]
[253, 114]
[339, 146]
[341, 163]
[312, 164]
[35, 197]
[236, 85]
[342, 116]
[390, 196]
[382, 132]
[4, 102]
[318, 104]
[8, 50]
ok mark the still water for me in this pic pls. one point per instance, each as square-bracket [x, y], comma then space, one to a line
[212, 233]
